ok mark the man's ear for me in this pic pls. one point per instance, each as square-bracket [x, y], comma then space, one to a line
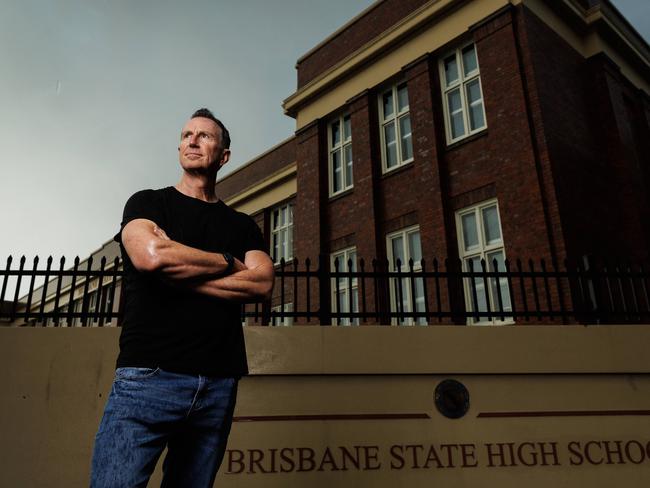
[225, 157]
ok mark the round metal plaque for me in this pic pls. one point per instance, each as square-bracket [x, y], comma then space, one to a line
[451, 399]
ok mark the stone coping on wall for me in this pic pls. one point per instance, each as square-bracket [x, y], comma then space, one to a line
[315, 350]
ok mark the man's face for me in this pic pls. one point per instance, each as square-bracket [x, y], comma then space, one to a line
[200, 146]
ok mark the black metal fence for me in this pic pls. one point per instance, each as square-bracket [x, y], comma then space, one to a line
[78, 296]
[352, 293]
[453, 292]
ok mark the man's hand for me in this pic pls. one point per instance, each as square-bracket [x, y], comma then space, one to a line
[254, 283]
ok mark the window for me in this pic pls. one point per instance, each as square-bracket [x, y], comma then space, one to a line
[277, 320]
[282, 233]
[62, 312]
[340, 155]
[345, 294]
[395, 121]
[406, 294]
[462, 94]
[479, 237]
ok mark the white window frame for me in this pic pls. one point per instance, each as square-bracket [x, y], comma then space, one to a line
[404, 267]
[461, 83]
[285, 247]
[287, 321]
[395, 118]
[345, 142]
[345, 286]
[480, 251]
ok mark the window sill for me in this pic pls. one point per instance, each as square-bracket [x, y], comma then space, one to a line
[341, 194]
[287, 262]
[398, 169]
[465, 140]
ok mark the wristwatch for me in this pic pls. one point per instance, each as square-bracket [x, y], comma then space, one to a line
[231, 263]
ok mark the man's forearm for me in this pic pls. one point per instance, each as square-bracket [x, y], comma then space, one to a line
[247, 285]
[151, 250]
[179, 262]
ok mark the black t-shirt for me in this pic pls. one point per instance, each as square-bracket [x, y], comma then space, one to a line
[171, 328]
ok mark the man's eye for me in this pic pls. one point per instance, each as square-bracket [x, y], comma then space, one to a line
[205, 136]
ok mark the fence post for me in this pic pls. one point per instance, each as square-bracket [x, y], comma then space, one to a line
[324, 308]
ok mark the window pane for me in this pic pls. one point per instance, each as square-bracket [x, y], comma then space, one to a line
[405, 292]
[290, 213]
[347, 132]
[388, 104]
[276, 248]
[352, 256]
[495, 256]
[470, 233]
[336, 171]
[405, 134]
[343, 268]
[343, 302]
[419, 300]
[456, 114]
[401, 293]
[491, 225]
[276, 219]
[451, 70]
[397, 245]
[473, 90]
[355, 306]
[415, 250]
[503, 282]
[336, 133]
[290, 242]
[469, 59]
[479, 284]
[348, 165]
[390, 145]
[283, 243]
[402, 98]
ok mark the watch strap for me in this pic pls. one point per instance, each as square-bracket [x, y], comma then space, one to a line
[231, 262]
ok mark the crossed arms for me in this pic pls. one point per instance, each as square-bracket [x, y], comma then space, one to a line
[151, 250]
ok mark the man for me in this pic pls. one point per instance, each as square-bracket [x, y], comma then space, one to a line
[189, 261]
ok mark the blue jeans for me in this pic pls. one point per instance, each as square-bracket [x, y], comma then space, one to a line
[150, 409]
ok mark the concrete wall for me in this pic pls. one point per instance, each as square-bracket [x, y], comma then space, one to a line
[328, 406]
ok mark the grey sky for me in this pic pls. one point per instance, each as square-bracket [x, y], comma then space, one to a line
[93, 94]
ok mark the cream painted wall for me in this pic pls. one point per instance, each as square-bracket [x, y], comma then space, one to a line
[56, 381]
[268, 192]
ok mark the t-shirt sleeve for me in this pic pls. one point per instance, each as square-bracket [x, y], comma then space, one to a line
[142, 205]
[255, 240]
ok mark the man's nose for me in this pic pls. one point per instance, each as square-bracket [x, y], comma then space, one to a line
[194, 140]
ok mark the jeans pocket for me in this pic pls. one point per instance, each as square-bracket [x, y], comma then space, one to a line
[130, 373]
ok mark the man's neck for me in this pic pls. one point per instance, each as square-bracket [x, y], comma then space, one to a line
[197, 187]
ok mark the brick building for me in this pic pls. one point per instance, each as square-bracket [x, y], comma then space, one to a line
[485, 129]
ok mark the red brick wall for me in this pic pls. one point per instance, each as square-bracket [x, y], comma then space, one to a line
[600, 187]
[309, 221]
[501, 162]
[565, 153]
[382, 16]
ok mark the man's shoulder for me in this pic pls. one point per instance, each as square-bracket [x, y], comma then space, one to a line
[149, 192]
[147, 195]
